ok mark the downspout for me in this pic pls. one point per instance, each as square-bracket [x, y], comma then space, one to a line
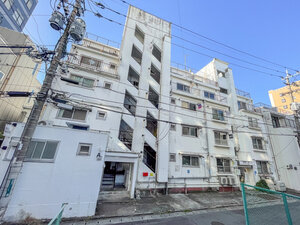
[207, 141]
[271, 145]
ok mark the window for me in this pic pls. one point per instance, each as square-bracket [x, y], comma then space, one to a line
[149, 157]
[133, 77]
[218, 114]
[92, 63]
[75, 114]
[172, 157]
[84, 149]
[153, 97]
[136, 54]
[139, 34]
[107, 85]
[224, 91]
[257, 143]
[83, 81]
[188, 105]
[41, 150]
[188, 160]
[1, 75]
[173, 126]
[190, 131]
[156, 53]
[28, 3]
[130, 103]
[101, 115]
[253, 122]
[17, 16]
[151, 124]
[112, 66]
[8, 3]
[275, 121]
[221, 138]
[220, 73]
[173, 101]
[283, 100]
[285, 106]
[126, 134]
[209, 95]
[262, 167]
[183, 87]
[155, 73]
[223, 165]
[242, 105]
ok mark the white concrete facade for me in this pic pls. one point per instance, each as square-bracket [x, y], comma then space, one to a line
[168, 129]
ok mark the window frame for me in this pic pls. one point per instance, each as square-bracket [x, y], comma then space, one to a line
[1, 75]
[174, 157]
[222, 168]
[73, 112]
[132, 74]
[139, 52]
[210, 95]
[138, 30]
[185, 88]
[26, 159]
[221, 134]
[101, 118]
[189, 105]
[253, 122]
[132, 100]
[258, 143]
[16, 14]
[84, 144]
[224, 91]
[109, 83]
[191, 157]
[173, 126]
[242, 105]
[189, 131]
[8, 4]
[28, 1]
[81, 82]
[261, 169]
[216, 112]
[158, 51]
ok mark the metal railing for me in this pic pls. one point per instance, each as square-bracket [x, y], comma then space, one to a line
[188, 74]
[100, 67]
[221, 142]
[102, 40]
[265, 206]
[242, 93]
[56, 220]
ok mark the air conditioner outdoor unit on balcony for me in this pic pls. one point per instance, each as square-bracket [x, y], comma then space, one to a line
[223, 180]
[231, 180]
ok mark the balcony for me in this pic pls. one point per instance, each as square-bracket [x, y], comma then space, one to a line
[248, 107]
[187, 73]
[101, 44]
[243, 93]
[94, 65]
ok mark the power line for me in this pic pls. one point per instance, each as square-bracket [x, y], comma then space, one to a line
[220, 43]
[196, 44]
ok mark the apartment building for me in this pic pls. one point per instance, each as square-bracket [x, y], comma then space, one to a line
[282, 99]
[18, 72]
[14, 14]
[121, 120]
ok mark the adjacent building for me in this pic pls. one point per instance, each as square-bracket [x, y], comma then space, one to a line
[121, 120]
[14, 14]
[18, 72]
[282, 97]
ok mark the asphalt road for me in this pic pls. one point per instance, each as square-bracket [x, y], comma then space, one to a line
[211, 218]
[264, 215]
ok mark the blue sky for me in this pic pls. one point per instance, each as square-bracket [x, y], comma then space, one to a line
[268, 29]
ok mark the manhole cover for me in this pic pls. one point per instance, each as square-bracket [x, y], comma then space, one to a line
[216, 223]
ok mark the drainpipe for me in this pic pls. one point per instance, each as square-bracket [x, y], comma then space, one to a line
[207, 141]
[271, 145]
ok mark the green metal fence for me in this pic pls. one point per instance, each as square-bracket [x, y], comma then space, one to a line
[267, 207]
[56, 220]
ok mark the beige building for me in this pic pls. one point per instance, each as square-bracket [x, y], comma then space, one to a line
[18, 72]
[281, 98]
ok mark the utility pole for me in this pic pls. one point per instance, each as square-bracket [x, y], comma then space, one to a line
[16, 162]
[296, 111]
[42, 95]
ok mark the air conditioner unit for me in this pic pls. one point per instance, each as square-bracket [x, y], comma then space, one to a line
[280, 186]
[45, 122]
[231, 180]
[223, 180]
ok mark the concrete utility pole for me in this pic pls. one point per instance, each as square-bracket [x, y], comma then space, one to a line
[296, 111]
[42, 95]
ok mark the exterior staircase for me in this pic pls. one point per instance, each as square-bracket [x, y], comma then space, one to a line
[108, 182]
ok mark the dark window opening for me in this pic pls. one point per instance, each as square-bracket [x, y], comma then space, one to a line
[149, 157]
[133, 77]
[139, 34]
[155, 73]
[126, 134]
[224, 91]
[156, 53]
[153, 97]
[136, 54]
[130, 103]
[151, 124]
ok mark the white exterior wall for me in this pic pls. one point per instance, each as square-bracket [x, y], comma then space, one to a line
[42, 187]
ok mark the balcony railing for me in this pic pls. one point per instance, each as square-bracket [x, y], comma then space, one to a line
[274, 109]
[242, 93]
[103, 40]
[188, 74]
[98, 67]
[221, 142]
[99, 47]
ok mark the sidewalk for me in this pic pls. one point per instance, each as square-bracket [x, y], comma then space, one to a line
[113, 209]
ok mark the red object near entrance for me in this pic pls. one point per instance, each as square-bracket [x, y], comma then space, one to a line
[145, 174]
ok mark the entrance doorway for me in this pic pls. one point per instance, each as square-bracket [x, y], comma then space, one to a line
[115, 176]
